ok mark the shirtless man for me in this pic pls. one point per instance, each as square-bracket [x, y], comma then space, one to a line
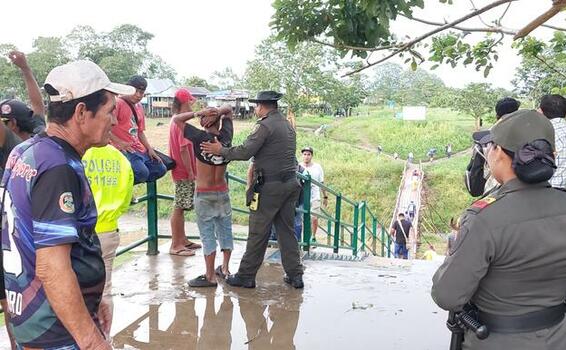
[212, 200]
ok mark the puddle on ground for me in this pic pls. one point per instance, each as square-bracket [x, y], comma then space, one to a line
[343, 306]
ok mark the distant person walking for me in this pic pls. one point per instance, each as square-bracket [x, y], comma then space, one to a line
[316, 173]
[401, 232]
[410, 157]
[430, 154]
[448, 150]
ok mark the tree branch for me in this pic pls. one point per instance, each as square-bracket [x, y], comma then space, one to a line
[490, 29]
[552, 68]
[554, 27]
[411, 43]
[557, 6]
[474, 7]
[358, 48]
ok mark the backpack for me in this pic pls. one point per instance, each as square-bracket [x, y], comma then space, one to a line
[475, 180]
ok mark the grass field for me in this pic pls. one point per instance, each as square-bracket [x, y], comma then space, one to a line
[358, 174]
[445, 197]
[380, 127]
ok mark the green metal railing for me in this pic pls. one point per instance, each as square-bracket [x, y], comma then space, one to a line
[363, 233]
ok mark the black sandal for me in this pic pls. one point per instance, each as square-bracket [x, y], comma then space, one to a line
[219, 272]
[201, 281]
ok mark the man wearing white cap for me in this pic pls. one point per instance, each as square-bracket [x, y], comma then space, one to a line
[52, 261]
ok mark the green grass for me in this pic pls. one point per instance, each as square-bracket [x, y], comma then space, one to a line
[446, 197]
[381, 128]
[313, 121]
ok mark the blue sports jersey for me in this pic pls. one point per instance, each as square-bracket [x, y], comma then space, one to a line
[48, 202]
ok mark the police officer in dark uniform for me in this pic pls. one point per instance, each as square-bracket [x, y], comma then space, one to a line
[274, 191]
[509, 259]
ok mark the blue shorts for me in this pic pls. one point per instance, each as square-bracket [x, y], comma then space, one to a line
[214, 219]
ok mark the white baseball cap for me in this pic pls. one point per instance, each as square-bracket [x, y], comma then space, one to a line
[79, 79]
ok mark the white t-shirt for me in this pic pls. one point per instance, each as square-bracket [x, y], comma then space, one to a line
[316, 173]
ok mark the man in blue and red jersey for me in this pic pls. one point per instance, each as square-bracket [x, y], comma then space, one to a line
[53, 268]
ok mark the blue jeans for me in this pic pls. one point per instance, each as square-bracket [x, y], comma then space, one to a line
[298, 227]
[214, 220]
[145, 169]
[401, 251]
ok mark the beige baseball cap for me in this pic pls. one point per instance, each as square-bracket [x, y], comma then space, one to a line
[79, 79]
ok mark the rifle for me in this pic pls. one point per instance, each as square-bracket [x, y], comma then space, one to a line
[459, 322]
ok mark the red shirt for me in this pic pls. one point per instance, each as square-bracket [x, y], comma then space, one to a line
[126, 128]
[177, 141]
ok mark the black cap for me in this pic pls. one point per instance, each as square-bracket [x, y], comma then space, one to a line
[266, 96]
[138, 82]
[307, 149]
[480, 137]
[14, 109]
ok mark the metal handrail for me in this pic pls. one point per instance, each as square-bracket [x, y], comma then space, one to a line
[358, 228]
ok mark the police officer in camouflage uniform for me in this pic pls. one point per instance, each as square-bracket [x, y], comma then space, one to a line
[272, 144]
[509, 259]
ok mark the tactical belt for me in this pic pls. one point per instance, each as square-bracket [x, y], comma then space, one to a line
[529, 322]
[281, 177]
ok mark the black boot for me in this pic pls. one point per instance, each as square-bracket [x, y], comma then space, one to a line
[238, 281]
[296, 281]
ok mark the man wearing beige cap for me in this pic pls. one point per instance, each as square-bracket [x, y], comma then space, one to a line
[52, 261]
[508, 263]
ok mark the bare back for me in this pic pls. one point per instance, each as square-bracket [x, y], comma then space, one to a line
[210, 176]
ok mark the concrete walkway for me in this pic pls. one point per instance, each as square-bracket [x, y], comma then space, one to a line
[373, 304]
[377, 303]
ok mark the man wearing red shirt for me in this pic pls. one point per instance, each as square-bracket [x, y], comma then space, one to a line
[184, 175]
[128, 135]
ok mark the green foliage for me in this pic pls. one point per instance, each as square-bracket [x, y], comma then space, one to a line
[476, 100]
[122, 52]
[451, 49]
[363, 23]
[362, 26]
[543, 67]
[406, 87]
[446, 194]
[226, 79]
[200, 82]
[306, 75]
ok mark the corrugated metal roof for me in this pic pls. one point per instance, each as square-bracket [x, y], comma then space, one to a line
[158, 86]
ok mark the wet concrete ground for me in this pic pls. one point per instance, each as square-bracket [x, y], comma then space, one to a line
[374, 304]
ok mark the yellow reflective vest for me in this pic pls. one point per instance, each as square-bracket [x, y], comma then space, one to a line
[111, 180]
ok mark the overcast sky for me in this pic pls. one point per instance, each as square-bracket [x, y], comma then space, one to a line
[199, 37]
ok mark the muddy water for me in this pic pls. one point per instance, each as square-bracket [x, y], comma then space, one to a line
[343, 306]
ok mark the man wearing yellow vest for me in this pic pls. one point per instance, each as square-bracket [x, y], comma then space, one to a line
[111, 180]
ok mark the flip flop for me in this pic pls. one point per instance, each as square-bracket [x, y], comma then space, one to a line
[193, 245]
[219, 272]
[201, 281]
[182, 252]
